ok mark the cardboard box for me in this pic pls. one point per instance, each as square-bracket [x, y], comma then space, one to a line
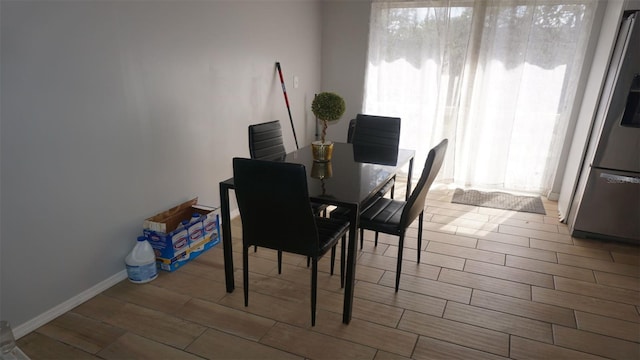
[185, 257]
[182, 233]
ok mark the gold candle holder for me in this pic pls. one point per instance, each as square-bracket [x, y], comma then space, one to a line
[322, 151]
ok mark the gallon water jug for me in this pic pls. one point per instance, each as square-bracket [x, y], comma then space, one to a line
[141, 262]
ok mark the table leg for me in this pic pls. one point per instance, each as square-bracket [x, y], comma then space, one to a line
[226, 237]
[351, 265]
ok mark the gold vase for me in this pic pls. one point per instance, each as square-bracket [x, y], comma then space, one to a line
[322, 151]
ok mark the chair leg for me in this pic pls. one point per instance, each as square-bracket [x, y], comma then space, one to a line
[342, 260]
[245, 274]
[361, 238]
[308, 261]
[279, 262]
[255, 248]
[376, 240]
[314, 290]
[420, 218]
[333, 258]
[399, 266]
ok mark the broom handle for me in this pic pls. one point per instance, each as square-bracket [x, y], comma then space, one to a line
[286, 100]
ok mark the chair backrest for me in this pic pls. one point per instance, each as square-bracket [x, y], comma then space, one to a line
[274, 205]
[265, 141]
[417, 199]
[350, 131]
[371, 130]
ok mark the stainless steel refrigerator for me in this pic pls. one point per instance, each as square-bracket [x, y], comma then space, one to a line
[607, 204]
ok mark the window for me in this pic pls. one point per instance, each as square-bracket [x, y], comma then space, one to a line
[498, 78]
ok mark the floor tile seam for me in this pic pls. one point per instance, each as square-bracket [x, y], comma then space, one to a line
[462, 218]
[464, 248]
[483, 237]
[558, 238]
[405, 309]
[471, 326]
[67, 342]
[354, 341]
[196, 339]
[597, 295]
[490, 277]
[331, 335]
[461, 345]
[276, 323]
[509, 333]
[599, 335]
[554, 265]
[617, 272]
[459, 214]
[523, 247]
[429, 295]
[567, 348]
[529, 317]
[510, 279]
[518, 245]
[586, 298]
[497, 222]
[560, 251]
[628, 323]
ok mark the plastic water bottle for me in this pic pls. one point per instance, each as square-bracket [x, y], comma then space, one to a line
[141, 262]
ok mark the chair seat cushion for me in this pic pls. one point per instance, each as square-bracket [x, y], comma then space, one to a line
[329, 231]
[383, 215]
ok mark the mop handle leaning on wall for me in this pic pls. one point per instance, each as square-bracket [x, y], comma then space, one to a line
[286, 100]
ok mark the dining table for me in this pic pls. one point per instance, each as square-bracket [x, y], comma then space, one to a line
[353, 176]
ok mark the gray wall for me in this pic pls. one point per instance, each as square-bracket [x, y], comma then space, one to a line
[113, 111]
[345, 38]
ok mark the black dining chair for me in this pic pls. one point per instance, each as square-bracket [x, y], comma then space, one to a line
[276, 213]
[350, 130]
[265, 143]
[377, 132]
[394, 216]
[367, 132]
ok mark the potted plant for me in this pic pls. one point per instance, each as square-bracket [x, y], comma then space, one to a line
[328, 107]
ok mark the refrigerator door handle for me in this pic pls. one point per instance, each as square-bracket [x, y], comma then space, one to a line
[619, 179]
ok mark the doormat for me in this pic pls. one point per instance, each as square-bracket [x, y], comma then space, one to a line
[499, 200]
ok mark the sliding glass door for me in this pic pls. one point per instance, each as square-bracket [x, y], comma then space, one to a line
[498, 78]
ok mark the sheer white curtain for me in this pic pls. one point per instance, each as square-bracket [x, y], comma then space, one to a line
[498, 78]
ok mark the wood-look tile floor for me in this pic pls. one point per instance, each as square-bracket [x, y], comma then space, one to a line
[492, 284]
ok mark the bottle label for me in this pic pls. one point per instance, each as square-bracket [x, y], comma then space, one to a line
[142, 273]
[180, 240]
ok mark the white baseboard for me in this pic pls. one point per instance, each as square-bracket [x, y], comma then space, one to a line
[31, 325]
[553, 196]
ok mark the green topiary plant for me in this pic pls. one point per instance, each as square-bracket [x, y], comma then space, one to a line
[327, 107]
